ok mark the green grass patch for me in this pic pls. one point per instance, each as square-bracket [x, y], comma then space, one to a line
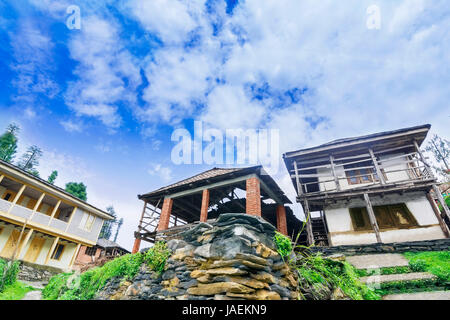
[68, 286]
[8, 273]
[15, 291]
[411, 286]
[434, 262]
[384, 271]
[316, 274]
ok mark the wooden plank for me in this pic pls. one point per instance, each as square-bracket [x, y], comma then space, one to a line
[299, 185]
[437, 213]
[377, 168]
[441, 200]
[373, 220]
[333, 171]
[309, 231]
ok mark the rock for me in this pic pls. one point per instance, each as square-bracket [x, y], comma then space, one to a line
[264, 277]
[266, 252]
[281, 290]
[338, 294]
[198, 273]
[169, 274]
[204, 251]
[336, 257]
[259, 295]
[219, 287]
[226, 271]
[176, 244]
[252, 258]
[188, 284]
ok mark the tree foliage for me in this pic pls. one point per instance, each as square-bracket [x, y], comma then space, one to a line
[78, 190]
[8, 143]
[106, 231]
[30, 160]
[440, 148]
[51, 179]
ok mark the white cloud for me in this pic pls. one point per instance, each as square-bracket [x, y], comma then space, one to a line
[72, 125]
[164, 173]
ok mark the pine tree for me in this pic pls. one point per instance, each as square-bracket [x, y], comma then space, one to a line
[30, 160]
[440, 148]
[51, 179]
[106, 231]
[8, 143]
[119, 225]
[78, 190]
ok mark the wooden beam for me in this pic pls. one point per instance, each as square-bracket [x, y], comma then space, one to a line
[437, 212]
[50, 252]
[422, 158]
[441, 200]
[372, 218]
[54, 212]
[309, 231]
[17, 197]
[333, 170]
[74, 257]
[71, 217]
[1, 177]
[24, 244]
[297, 180]
[377, 167]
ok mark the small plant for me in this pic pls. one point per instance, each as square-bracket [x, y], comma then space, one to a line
[283, 243]
[418, 265]
[156, 257]
[8, 273]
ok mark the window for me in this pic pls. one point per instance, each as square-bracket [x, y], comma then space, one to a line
[393, 216]
[87, 221]
[7, 196]
[360, 176]
[57, 253]
[91, 251]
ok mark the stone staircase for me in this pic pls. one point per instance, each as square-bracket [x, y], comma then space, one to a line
[418, 285]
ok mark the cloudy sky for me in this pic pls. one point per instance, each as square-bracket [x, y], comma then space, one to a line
[103, 100]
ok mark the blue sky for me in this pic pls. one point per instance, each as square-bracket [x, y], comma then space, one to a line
[103, 101]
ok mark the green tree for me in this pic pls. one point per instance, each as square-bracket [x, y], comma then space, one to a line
[51, 179]
[119, 225]
[106, 231]
[30, 160]
[8, 143]
[440, 149]
[78, 190]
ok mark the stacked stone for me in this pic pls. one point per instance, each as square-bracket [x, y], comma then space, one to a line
[233, 258]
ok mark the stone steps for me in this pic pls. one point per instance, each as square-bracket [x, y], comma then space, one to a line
[404, 277]
[432, 295]
[374, 261]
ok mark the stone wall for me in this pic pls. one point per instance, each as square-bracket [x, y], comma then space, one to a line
[36, 273]
[416, 246]
[233, 257]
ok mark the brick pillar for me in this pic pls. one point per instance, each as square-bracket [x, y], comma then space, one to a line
[165, 214]
[281, 220]
[253, 197]
[205, 206]
[136, 246]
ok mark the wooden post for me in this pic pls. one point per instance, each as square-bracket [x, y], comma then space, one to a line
[437, 212]
[50, 252]
[377, 167]
[18, 195]
[136, 245]
[441, 200]
[74, 257]
[54, 212]
[422, 158]
[1, 177]
[205, 206]
[297, 180]
[24, 244]
[373, 220]
[38, 203]
[333, 170]
[71, 217]
[309, 230]
[165, 214]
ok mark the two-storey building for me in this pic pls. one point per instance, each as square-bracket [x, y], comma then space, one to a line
[369, 189]
[41, 223]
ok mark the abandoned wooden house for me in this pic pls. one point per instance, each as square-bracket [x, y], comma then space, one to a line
[368, 189]
[104, 248]
[205, 196]
[41, 223]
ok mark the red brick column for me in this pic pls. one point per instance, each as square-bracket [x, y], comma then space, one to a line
[136, 246]
[253, 197]
[205, 206]
[165, 214]
[281, 220]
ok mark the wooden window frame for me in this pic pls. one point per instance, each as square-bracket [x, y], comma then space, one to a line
[88, 253]
[1, 229]
[56, 250]
[412, 222]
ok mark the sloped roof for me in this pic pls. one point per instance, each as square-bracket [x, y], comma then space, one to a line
[214, 175]
[105, 243]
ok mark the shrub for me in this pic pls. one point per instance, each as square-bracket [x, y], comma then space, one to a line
[435, 262]
[8, 273]
[283, 243]
[156, 257]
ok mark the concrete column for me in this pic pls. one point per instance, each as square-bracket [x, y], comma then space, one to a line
[281, 220]
[253, 197]
[205, 206]
[165, 214]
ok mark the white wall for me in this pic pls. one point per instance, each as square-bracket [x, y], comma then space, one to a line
[339, 221]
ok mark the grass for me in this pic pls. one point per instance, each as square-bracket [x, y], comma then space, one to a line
[384, 271]
[411, 286]
[15, 291]
[317, 275]
[434, 262]
[67, 286]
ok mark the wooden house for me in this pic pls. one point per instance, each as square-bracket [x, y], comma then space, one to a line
[41, 223]
[368, 189]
